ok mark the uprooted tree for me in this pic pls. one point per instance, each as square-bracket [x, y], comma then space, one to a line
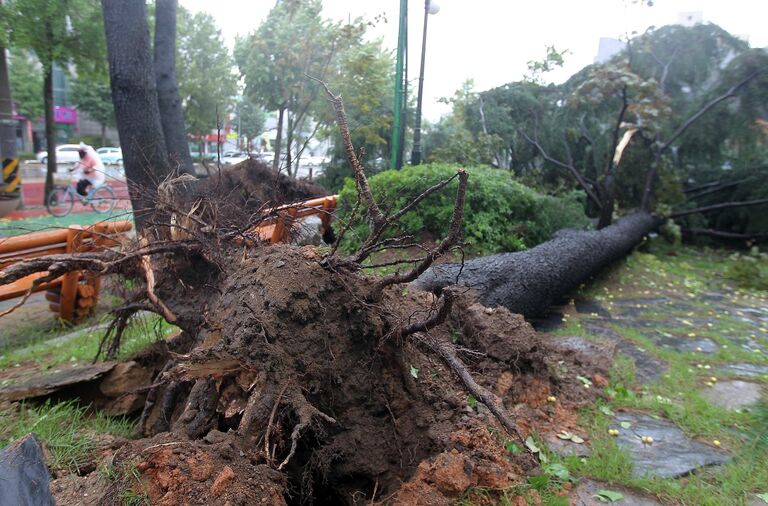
[335, 386]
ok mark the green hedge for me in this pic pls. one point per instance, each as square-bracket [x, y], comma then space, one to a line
[499, 215]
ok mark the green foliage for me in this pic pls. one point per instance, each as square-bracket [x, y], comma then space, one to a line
[57, 31]
[364, 80]
[451, 140]
[553, 59]
[207, 84]
[250, 118]
[26, 83]
[94, 96]
[277, 60]
[500, 214]
[65, 428]
[750, 270]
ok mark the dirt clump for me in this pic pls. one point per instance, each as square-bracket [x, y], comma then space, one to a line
[301, 378]
[252, 183]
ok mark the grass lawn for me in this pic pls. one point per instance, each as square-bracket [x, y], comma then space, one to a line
[687, 277]
[48, 222]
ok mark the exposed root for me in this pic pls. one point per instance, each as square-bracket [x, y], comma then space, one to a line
[306, 412]
[446, 352]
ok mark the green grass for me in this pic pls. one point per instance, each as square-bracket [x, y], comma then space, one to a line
[65, 429]
[38, 348]
[676, 396]
[47, 222]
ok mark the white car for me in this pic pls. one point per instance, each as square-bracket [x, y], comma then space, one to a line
[234, 158]
[66, 153]
[110, 155]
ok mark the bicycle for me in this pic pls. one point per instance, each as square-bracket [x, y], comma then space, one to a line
[62, 199]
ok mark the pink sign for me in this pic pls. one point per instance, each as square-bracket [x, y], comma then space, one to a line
[64, 114]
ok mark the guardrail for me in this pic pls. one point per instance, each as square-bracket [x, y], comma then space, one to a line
[73, 295]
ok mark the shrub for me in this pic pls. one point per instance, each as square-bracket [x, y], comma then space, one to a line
[500, 214]
[750, 270]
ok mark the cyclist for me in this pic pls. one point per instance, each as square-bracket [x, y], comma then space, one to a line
[90, 170]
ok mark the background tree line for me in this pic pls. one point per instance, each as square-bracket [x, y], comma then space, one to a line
[558, 137]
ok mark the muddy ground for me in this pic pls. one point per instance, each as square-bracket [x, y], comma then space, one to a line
[286, 342]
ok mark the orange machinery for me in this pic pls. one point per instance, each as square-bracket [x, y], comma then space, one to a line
[277, 227]
[72, 295]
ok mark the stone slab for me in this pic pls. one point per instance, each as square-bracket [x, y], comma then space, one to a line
[585, 492]
[733, 395]
[591, 307]
[744, 370]
[647, 367]
[671, 455]
[688, 345]
[566, 448]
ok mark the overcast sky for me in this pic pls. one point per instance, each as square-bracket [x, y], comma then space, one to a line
[490, 41]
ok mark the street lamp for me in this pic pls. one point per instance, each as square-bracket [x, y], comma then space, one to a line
[430, 7]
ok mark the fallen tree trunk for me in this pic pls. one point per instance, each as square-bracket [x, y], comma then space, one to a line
[528, 282]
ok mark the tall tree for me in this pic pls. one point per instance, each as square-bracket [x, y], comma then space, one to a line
[93, 96]
[207, 83]
[134, 94]
[57, 32]
[169, 100]
[7, 125]
[250, 120]
[26, 83]
[292, 43]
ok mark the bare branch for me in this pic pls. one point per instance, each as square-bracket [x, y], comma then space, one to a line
[341, 119]
[446, 352]
[103, 262]
[445, 245]
[651, 176]
[715, 207]
[438, 318]
[576, 174]
[722, 234]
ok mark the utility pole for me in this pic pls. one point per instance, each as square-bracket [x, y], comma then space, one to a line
[396, 153]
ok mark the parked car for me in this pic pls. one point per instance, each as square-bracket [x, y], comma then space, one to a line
[66, 153]
[110, 155]
[234, 157]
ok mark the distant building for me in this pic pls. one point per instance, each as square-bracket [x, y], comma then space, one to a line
[690, 18]
[608, 47]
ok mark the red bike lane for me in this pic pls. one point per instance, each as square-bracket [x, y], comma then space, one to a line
[34, 205]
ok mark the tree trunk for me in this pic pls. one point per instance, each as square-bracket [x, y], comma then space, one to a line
[607, 196]
[50, 131]
[169, 101]
[7, 124]
[289, 145]
[132, 78]
[528, 282]
[103, 134]
[278, 140]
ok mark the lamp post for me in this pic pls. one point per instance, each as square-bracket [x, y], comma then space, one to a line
[430, 7]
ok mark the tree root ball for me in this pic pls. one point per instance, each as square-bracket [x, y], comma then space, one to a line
[301, 384]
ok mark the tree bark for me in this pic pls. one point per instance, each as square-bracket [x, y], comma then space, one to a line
[50, 131]
[168, 98]
[134, 94]
[528, 282]
[289, 145]
[7, 124]
[278, 140]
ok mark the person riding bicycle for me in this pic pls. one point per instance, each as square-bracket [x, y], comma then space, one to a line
[90, 170]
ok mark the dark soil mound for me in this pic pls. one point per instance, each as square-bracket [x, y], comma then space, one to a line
[321, 401]
[252, 184]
